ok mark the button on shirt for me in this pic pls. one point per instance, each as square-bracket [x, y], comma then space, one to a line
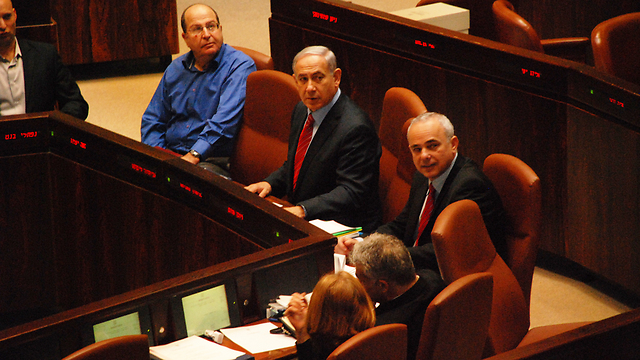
[12, 98]
[199, 110]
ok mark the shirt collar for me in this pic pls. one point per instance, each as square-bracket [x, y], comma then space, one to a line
[438, 183]
[189, 61]
[321, 113]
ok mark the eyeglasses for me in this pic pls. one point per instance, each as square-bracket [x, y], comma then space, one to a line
[197, 30]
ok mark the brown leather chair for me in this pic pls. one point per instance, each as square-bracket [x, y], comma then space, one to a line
[130, 347]
[262, 142]
[263, 61]
[384, 342]
[519, 189]
[616, 46]
[399, 104]
[463, 247]
[512, 29]
[456, 322]
[480, 15]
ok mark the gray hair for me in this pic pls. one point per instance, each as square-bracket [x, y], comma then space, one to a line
[384, 257]
[323, 51]
[434, 116]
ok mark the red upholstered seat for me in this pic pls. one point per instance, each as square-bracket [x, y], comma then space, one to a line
[262, 142]
[456, 322]
[399, 105]
[384, 342]
[616, 46]
[130, 347]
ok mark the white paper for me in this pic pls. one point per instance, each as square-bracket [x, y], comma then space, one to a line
[257, 338]
[194, 348]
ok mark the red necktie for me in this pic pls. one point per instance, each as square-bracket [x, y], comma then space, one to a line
[426, 213]
[303, 145]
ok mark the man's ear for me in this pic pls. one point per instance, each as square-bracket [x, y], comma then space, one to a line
[454, 142]
[337, 75]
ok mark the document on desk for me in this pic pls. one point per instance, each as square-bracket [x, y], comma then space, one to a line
[193, 348]
[257, 338]
[335, 228]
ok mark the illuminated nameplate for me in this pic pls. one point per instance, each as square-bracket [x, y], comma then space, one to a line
[184, 187]
[21, 135]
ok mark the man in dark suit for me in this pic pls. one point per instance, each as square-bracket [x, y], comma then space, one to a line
[336, 177]
[443, 177]
[33, 78]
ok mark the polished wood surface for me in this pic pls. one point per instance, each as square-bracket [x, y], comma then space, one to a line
[99, 31]
[544, 110]
[88, 214]
[62, 332]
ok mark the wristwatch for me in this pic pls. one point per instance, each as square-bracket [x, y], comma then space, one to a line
[195, 153]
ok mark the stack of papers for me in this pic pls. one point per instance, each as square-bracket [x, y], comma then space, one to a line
[193, 348]
[258, 338]
[335, 228]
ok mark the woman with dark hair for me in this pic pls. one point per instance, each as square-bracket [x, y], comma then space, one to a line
[338, 309]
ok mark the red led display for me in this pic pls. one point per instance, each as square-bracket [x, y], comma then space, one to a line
[616, 102]
[425, 44]
[331, 19]
[25, 135]
[144, 171]
[235, 214]
[531, 73]
[78, 143]
[191, 190]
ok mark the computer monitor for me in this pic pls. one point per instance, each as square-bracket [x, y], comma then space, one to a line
[298, 275]
[131, 322]
[208, 308]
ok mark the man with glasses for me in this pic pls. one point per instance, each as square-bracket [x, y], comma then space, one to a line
[443, 177]
[32, 75]
[197, 107]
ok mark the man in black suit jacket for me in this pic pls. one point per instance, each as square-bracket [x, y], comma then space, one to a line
[434, 149]
[338, 178]
[44, 81]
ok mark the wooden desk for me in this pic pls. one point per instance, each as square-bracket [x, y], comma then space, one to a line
[88, 214]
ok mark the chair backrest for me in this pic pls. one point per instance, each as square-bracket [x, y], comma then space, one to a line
[616, 46]
[262, 142]
[130, 347]
[456, 322]
[263, 61]
[383, 342]
[512, 29]
[463, 246]
[399, 105]
[519, 189]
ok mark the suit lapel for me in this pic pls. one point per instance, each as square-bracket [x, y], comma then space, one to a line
[28, 63]
[323, 133]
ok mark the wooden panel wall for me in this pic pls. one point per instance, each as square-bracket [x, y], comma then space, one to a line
[103, 30]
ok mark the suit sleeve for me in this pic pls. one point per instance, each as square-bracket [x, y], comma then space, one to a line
[357, 172]
[68, 93]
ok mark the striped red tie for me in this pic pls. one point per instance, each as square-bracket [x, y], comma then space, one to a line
[426, 213]
[303, 145]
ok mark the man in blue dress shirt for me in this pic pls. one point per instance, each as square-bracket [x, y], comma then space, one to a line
[197, 107]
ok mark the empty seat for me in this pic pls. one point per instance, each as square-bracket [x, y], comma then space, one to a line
[616, 46]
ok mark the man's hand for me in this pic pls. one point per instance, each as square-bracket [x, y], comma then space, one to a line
[190, 158]
[297, 314]
[296, 210]
[345, 245]
[261, 188]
